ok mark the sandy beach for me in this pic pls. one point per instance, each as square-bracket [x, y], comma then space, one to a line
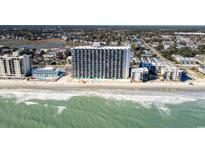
[64, 86]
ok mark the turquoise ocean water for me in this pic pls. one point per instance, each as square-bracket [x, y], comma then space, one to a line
[143, 109]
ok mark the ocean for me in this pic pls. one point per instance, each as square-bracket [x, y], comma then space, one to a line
[101, 109]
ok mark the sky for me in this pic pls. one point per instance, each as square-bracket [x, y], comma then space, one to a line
[102, 12]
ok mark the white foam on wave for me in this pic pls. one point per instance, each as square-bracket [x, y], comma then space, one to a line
[30, 103]
[60, 109]
[150, 99]
[23, 96]
[163, 109]
[143, 97]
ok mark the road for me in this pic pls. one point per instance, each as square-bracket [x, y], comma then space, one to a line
[157, 53]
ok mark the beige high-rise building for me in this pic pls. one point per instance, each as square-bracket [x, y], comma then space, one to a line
[17, 66]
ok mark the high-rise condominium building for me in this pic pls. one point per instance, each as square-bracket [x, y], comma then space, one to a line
[17, 66]
[101, 62]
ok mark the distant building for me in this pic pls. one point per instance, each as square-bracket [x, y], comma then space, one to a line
[139, 74]
[47, 73]
[202, 69]
[101, 62]
[167, 44]
[184, 60]
[189, 33]
[147, 53]
[17, 66]
[200, 58]
[114, 43]
[49, 55]
[64, 37]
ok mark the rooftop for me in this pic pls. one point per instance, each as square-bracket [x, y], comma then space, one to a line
[141, 69]
[13, 56]
[102, 47]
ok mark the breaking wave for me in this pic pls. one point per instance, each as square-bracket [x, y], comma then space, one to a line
[30, 103]
[60, 109]
[25, 95]
[145, 98]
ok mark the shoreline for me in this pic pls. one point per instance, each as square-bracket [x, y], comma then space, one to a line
[66, 86]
